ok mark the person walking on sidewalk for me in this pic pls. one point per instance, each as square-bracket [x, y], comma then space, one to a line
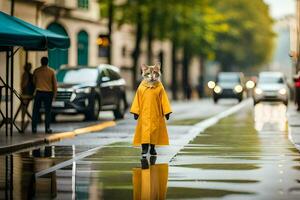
[27, 90]
[150, 106]
[45, 91]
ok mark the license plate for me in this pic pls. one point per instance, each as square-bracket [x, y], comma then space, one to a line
[58, 104]
[271, 94]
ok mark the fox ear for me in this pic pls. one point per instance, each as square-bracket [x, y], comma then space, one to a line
[157, 66]
[144, 67]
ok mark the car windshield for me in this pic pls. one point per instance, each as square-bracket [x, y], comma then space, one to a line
[228, 78]
[270, 79]
[77, 76]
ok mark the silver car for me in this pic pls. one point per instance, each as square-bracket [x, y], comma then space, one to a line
[271, 86]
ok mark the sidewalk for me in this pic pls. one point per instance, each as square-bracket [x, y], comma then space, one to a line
[71, 126]
[294, 125]
[26, 140]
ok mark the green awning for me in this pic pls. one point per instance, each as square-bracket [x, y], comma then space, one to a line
[16, 32]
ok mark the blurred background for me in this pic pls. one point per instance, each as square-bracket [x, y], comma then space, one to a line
[193, 40]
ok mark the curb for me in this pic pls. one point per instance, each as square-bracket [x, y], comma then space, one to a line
[55, 137]
[22, 145]
[292, 125]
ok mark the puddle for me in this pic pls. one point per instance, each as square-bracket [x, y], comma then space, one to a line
[187, 122]
[196, 193]
[244, 156]
[112, 172]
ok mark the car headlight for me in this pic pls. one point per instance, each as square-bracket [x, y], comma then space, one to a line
[217, 89]
[250, 84]
[258, 91]
[282, 91]
[83, 90]
[238, 88]
[211, 84]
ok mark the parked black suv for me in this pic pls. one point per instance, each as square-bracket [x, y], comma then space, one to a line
[88, 90]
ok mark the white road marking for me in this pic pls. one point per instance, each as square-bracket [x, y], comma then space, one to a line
[166, 154]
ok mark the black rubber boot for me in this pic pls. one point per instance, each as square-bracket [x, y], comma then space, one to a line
[144, 163]
[145, 148]
[152, 160]
[152, 150]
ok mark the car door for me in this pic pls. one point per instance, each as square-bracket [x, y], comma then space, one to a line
[106, 87]
[115, 85]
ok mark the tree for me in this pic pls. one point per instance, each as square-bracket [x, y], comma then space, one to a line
[249, 41]
[229, 31]
[195, 25]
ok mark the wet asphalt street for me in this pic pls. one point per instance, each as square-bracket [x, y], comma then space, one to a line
[246, 155]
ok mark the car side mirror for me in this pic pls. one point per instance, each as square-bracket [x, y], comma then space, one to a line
[105, 79]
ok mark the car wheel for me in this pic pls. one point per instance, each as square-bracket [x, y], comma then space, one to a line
[240, 100]
[120, 111]
[286, 103]
[93, 112]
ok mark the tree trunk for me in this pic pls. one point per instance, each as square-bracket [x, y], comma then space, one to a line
[201, 85]
[174, 75]
[110, 26]
[137, 51]
[151, 24]
[187, 90]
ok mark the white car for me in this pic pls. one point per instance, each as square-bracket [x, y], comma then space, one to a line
[271, 86]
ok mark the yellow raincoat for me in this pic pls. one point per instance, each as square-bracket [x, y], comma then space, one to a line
[150, 184]
[151, 104]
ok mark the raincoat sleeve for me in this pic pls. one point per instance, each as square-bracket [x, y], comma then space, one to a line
[165, 103]
[135, 107]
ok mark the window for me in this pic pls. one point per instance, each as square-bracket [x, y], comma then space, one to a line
[82, 48]
[84, 4]
[103, 46]
[114, 75]
[270, 79]
[228, 78]
[104, 75]
[77, 76]
[124, 51]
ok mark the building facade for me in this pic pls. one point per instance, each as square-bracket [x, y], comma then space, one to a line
[284, 45]
[81, 21]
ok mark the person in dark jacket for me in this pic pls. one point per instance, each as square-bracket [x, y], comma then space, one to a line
[45, 91]
[27, 90]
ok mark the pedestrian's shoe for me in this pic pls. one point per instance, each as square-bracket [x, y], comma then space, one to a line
[152, 160]
[48, 130]
[144, 163]
[152, 150]
[145, 148]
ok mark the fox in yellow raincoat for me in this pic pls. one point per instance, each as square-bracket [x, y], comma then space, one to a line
[150, 107]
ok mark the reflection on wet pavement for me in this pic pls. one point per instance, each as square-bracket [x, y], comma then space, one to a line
[150, 182]
[112, 172]
[245, 156]
[18, 171]
[270, 117]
